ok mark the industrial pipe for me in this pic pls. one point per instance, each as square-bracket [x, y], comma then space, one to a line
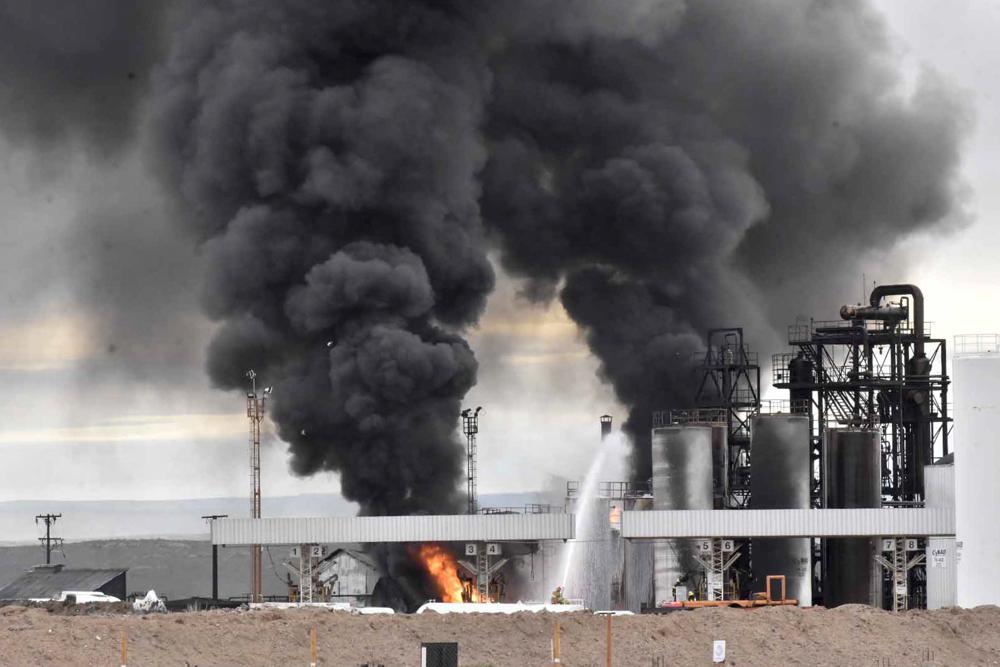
[886, 313]
[918, 309]
[917, 371]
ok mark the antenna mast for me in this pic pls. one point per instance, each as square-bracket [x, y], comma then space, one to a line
[255, 413]
[470, 426]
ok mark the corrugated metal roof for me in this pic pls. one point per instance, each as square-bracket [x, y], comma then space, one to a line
[912, 522]
[429, 528]
[49, 582]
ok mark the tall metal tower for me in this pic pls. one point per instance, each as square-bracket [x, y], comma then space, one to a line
[470, 426]
[876, 368]
[730, 383]
[255, 413]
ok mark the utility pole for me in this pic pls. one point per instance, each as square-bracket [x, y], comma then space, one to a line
[255, 412]
[48, 540]
[215, 556]
[470, 426]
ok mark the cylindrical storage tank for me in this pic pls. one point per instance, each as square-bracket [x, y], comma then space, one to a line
[720, 465]
[682, 480]
[639, 566]
[780, 479]
[801, 378]
[977, 460]
[852, 478]
[918, 452]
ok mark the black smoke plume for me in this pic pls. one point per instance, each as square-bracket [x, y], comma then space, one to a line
[328, 156]
[660, 167]
[723, 164]
[75, 72]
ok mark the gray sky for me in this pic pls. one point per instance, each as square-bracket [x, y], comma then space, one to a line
[85, 417]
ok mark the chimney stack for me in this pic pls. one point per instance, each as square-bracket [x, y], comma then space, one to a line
[605, 426]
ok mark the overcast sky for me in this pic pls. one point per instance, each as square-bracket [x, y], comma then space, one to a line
[88, 417]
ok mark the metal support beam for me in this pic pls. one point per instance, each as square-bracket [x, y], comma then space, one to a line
[900, 567]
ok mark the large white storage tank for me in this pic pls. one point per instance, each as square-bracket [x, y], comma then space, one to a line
[976, 379]
[682, 480]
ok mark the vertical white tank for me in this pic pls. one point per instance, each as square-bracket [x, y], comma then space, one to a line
[977, 461]
[682, 480]
[780, 479]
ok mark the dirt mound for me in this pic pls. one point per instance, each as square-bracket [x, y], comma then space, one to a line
[68, 608]
[850, 635]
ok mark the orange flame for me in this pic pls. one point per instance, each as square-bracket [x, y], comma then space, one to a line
[443, 569]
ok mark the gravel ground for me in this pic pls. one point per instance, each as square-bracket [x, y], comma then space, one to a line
[850, 635]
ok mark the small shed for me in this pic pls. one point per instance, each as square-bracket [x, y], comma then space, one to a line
[47, 582]
[347, 575]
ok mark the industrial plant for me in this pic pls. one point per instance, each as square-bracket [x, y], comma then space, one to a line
[843, 491]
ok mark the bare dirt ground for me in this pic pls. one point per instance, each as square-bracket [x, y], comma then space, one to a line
[850, 635]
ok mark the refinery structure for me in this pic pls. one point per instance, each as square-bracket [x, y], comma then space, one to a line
[846, 490]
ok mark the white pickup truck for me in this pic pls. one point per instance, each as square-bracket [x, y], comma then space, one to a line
[81, 597]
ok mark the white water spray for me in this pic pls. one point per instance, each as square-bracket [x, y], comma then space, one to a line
[584, 508]
[586, 563]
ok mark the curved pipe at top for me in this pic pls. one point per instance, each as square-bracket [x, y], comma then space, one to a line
[913, 291]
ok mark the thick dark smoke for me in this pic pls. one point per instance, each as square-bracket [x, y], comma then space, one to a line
[659, 167]
[714, 166]
[328, 154]
[92, 239]
[76, 71]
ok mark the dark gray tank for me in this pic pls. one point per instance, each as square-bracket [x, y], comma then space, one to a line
[852, 479]
[720, 465]
[780, 479]
[682, 480]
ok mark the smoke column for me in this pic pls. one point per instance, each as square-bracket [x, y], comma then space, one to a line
[328, 155]
[660, 167]
[705, 167]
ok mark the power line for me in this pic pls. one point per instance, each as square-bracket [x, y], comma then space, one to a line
[48, 540]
